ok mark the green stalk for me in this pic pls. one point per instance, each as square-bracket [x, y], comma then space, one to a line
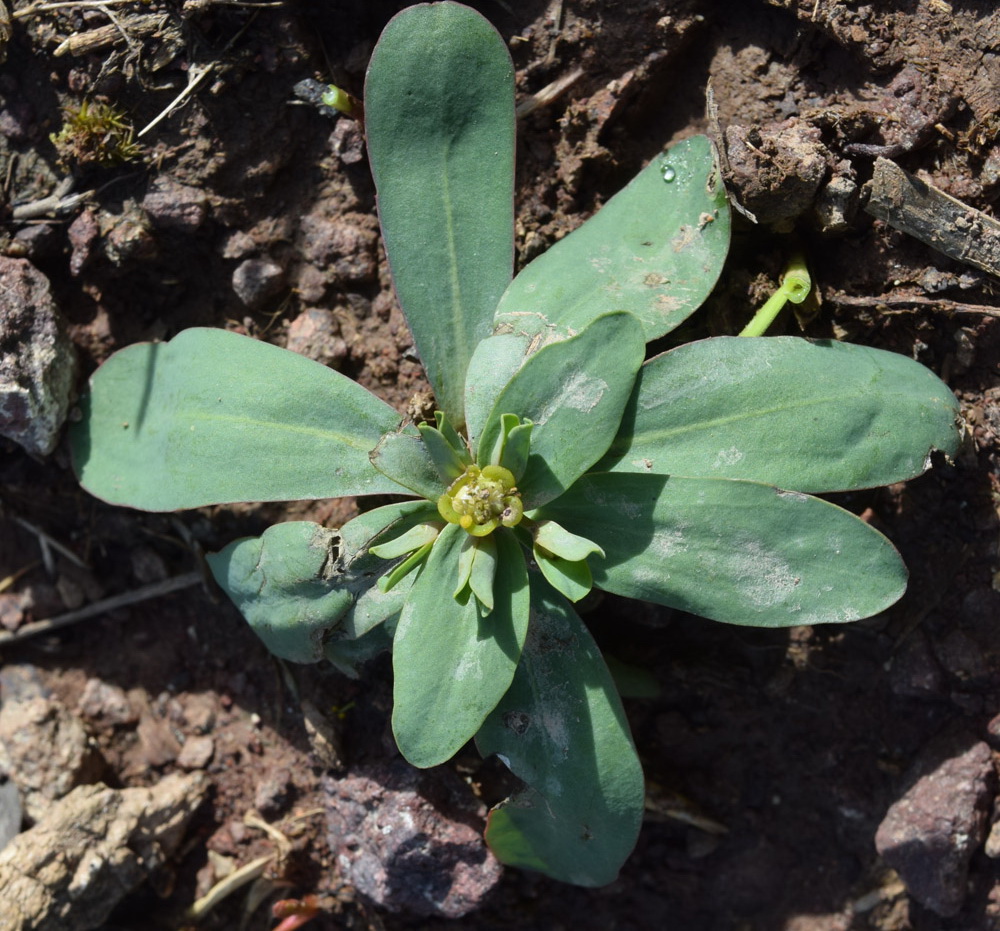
[795, 287]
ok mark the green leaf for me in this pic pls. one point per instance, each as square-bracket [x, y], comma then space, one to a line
[214, 417]
[451, 664]
[403, 457]
[494, 362]
[298, 581]
[282, 584]
[739, 552]
[348, 655]
[574, 392]
[810, 416]
[655, 249]
[439, 121]
[477, 562]
[572, 579]
[561, 729]
[449, 461]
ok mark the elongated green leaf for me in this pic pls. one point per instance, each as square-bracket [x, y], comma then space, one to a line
[214, 417]
[810, 416]
[494, 362]
[451, 664]
[298, 581]
[739, 552]
[574, 392]
[402, 457]
[439, 119]
[562, 730]
[655, 249]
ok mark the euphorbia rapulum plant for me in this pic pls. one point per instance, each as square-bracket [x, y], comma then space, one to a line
[558, 460]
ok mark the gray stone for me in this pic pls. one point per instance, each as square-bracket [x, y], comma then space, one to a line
[93, 847]
[411, 841]
[256, 281]
[931, 832]
[11, 812]
[37, 359]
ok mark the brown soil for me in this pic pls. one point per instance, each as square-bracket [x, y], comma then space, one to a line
[795, 741]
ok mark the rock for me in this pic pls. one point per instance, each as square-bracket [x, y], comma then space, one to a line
[344, 249]
[70, 870]
[37, 359]
[311, 334]
[174, 206]
[11, 812]
[21, 681]
[39, 240]
[196, 753]
[84, 239]
[931, 832]
[347, 142]
[837, 204]
[274, 792]
[199, 711]
[11, 610]
[47, 751]
[106, 704]
[411, 841]
[256, 281]
[126, 237]
[777, 170]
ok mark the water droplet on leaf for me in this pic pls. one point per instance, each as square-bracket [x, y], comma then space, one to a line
[668, 173]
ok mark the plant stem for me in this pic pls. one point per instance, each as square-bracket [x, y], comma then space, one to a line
[795, 287]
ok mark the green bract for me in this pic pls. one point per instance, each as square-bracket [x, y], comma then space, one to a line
[560, 458]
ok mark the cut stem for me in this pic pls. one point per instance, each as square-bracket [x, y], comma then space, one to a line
[795, 287]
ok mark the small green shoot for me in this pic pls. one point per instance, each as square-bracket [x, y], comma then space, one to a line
[795, 287]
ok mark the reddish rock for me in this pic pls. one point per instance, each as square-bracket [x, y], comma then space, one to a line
[311, 334]
[931, 832]
[410, 841]
[174, 206]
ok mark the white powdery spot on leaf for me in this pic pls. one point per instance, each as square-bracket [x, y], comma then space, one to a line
[470, 667]
[668, 543]
[760, 574]
[581, 392]
[727, 457]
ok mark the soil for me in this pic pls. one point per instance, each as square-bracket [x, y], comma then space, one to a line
[772, 756]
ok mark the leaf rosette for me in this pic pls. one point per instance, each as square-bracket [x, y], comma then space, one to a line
[561, 459]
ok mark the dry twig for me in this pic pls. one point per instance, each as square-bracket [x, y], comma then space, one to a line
[154, 590]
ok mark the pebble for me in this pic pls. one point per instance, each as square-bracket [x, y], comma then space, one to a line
[274, 793]
[106, 703]
[174, 206]
[47, 751]
[11, 812]
[256, 281]
[931, 832]
[196, 753]
[311, 334]
[406, 850]
[37, 359]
